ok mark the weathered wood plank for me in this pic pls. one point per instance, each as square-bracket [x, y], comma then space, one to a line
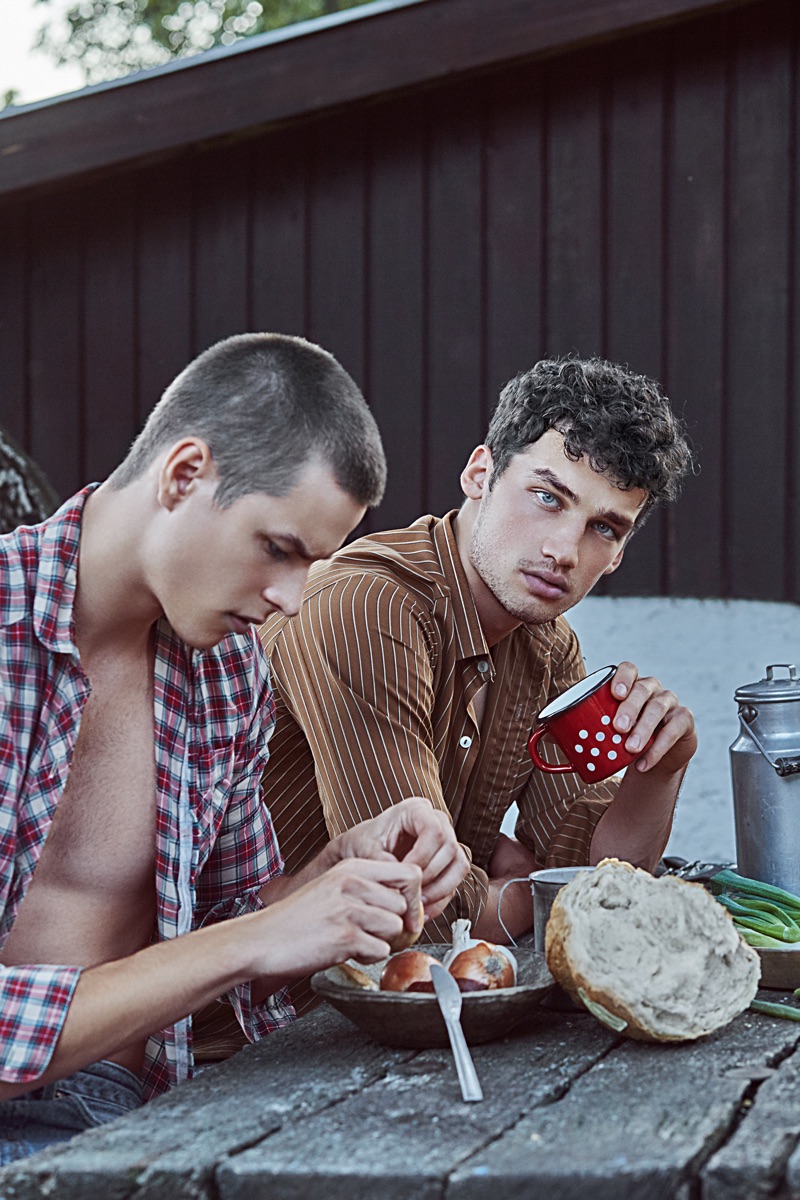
[753, 1162]
[636, 1126]
[455, 280]
[403, 1135]
[695, 367]
[168, 1149]
[350, 57]
[757, 303]
[396, 333]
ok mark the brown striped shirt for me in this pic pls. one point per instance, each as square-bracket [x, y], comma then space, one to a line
[375, 682]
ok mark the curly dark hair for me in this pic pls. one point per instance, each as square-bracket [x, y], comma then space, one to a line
[621, 422]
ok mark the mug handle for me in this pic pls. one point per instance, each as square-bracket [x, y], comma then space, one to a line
[538, 761]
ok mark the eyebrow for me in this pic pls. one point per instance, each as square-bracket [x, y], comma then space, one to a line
[297, 545]
[610, 515]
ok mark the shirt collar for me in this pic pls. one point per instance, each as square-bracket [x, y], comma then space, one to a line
[57, 575]
[469, 634]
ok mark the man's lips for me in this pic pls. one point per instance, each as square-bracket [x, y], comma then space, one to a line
[240, 624]
[546, 584]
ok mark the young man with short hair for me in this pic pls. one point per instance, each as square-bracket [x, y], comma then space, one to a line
[135, 848]
[422, 656]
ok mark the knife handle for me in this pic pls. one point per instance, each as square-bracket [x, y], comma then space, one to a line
[467, 1076]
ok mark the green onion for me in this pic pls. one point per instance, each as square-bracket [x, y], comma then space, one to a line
[729, 881]
[743, 915]
[771, 1009]
[760, 940]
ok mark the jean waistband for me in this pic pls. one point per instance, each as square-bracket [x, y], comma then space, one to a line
[96, 1080]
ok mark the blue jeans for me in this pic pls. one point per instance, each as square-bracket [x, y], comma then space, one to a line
[56, 1112]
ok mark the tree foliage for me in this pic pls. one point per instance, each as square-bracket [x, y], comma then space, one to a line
[110, 38]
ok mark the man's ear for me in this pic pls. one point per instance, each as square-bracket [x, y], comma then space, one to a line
[184, 466]
[476, 474]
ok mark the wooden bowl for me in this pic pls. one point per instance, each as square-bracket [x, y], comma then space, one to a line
[413, 1020]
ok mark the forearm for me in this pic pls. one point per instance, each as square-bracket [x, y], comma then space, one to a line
[121, 1003]
[509, 895]
[636, 825]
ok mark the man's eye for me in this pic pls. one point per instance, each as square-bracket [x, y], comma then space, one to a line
[548, 499]
[606, 530]
[276, 552]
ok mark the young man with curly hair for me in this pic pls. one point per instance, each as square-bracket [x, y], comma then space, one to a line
[422, 656]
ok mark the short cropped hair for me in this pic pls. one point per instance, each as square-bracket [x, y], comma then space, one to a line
[621, 422]
[266, 404]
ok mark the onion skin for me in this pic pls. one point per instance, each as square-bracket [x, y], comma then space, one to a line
[482, 967]
[406, 938]
[408, 971]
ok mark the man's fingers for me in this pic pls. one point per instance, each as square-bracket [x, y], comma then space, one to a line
[674, 744]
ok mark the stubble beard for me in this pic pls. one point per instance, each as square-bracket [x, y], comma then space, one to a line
[530, 612]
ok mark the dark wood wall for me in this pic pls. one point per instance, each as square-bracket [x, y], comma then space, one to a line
[637, 199]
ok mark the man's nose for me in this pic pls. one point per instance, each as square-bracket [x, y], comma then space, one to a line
[562, 544]
[287, 595]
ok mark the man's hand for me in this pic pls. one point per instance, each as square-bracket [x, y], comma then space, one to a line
[354, 909]
[417, 834]
[637, 823]
[646, 709]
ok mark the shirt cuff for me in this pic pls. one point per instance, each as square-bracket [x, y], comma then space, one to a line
[34, 1002]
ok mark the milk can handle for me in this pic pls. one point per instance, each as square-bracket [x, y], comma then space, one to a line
[783, 766]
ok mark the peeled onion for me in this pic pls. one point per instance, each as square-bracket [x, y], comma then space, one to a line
[483, 966]
[409, 971]
[405, 937]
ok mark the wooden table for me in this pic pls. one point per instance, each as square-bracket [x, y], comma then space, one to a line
[571, 1111]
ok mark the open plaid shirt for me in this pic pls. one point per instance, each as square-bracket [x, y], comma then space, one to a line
[215, 845]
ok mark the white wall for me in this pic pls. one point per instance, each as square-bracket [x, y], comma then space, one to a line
[703, 650]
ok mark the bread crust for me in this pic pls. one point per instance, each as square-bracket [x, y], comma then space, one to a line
[561, 940]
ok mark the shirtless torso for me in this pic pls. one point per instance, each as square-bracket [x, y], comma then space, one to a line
[92, 898]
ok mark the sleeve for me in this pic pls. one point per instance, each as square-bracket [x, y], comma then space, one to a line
[354, 671]
[558, 814]
[34, 1001]
[246, 855]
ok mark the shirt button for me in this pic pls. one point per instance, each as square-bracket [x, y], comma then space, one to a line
[465, 742]
[483, 666]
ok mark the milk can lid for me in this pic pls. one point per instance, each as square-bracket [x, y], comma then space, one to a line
[772, 687]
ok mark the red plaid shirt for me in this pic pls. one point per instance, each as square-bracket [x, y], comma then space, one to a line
[215, 845]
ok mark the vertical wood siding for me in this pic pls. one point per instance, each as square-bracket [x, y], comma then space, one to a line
[636, 200]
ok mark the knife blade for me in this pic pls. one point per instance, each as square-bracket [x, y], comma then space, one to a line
[448, 994]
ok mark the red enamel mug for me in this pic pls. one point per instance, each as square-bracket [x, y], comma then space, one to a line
[579, 722]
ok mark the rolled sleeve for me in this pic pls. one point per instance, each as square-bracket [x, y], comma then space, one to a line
[34, 1001]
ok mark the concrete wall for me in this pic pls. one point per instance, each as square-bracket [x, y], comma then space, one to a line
[703, 650]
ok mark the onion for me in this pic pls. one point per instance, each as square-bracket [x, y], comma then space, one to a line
[405, 937]
[409, 971]
[483, 966]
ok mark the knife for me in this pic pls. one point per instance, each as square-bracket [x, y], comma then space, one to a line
[448, 994]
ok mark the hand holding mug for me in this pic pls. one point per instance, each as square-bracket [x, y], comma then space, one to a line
[611, 719]
[580, 722]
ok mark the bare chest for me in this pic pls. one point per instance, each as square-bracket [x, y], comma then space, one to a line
[93, 890]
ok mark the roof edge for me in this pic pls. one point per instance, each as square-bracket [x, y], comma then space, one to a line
[293, 72]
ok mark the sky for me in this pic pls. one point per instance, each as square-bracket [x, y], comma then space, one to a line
[32, 73]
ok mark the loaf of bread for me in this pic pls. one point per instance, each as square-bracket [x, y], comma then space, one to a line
[657, 959]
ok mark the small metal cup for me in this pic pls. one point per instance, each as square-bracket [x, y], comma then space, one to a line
[545, 886]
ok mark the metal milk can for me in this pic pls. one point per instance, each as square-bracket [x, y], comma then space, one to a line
[765, 768]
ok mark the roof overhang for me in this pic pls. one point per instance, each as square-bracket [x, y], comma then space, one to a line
[377, 49]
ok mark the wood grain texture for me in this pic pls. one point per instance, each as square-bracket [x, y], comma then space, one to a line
[275, 77]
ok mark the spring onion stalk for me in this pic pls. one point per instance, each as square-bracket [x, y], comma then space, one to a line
[730, 881]
[758, 921]
[772, 1009]
[759, 910]
[760, 940]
